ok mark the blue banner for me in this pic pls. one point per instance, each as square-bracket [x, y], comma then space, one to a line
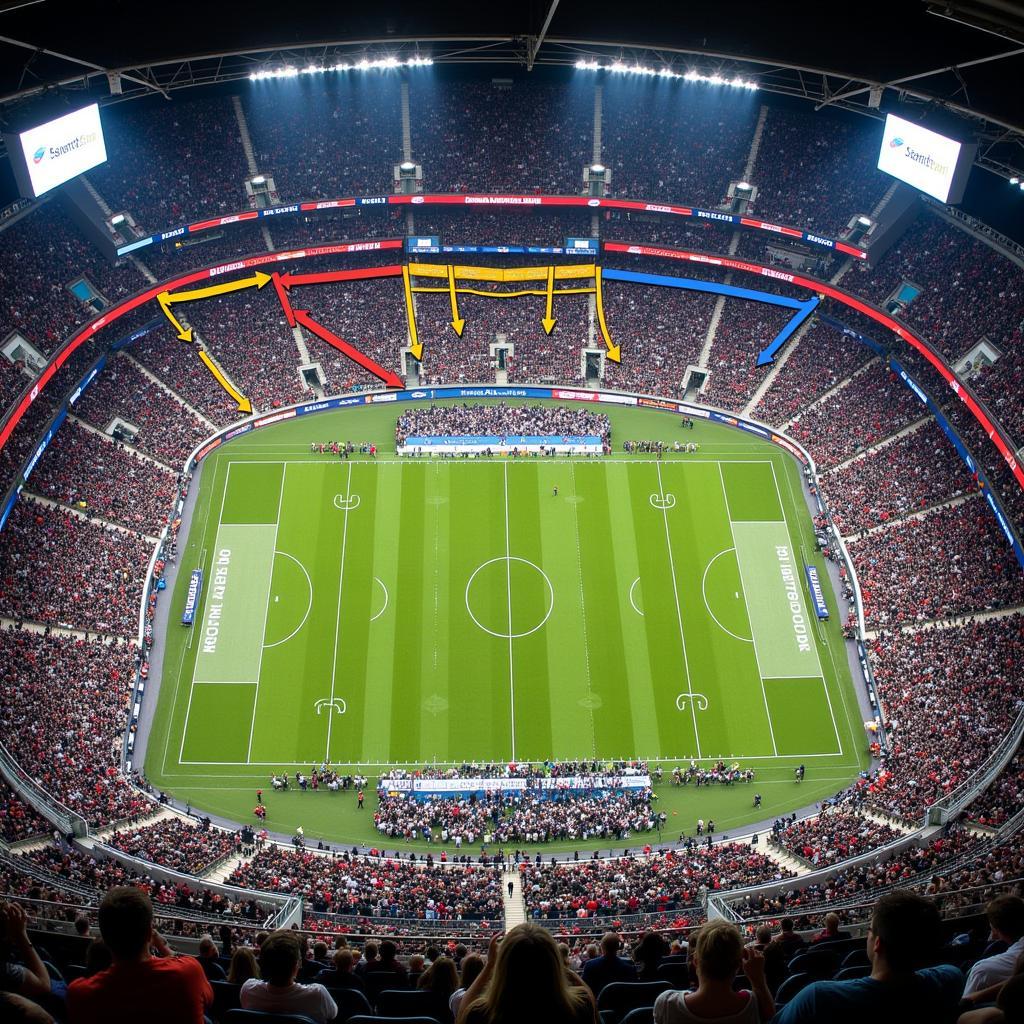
[139, 332]
[195, 589]
[87, 380]
[41, 447]
[817, 594]
[851, 333]
[9, 507]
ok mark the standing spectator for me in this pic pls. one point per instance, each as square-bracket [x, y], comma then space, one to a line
[1006, 920]
[609, 966]
[904, 935]
[718, 955]
[278, 992]
[165, 988]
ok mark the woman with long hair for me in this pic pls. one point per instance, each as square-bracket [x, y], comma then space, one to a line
[244, 966]
[441, 980]
[524, 978]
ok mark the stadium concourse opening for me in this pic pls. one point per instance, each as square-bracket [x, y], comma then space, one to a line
[372, 611]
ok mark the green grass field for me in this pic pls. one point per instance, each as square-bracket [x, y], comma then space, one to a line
[412, 611]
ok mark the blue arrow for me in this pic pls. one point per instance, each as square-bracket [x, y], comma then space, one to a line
[767, 355]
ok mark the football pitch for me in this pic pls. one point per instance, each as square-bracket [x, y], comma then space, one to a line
[407, 611]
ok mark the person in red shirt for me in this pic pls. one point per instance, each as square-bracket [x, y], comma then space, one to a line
[146, 979]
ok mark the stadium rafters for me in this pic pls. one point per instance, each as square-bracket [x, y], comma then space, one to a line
[969, 82]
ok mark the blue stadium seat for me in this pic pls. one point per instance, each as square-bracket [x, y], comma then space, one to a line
[351, 1003]
[791, 986]
[642, 1015]
[618, 998]
[396, 1002]
[857, 971]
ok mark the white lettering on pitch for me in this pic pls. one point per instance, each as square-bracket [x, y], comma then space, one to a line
[792, 588]
[215, 607]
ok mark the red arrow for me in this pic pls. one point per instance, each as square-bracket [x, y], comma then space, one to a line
[283, 299]
[288, 278]
[390, 378]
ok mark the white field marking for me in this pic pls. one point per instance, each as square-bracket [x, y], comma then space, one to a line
[206, 601]
[337, 617]
[402, 460]
[631, 601]
[703, 590]
[743, 585]
[583, 605]
[226, 682]
[753, 760]
[508, 578]
[349, 503]
[509, 560]
[679, 615]
[266, 613]
[309, 607]
[386, 598]
[778, 493]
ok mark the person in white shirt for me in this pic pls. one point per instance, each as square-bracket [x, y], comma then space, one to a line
[277, 992]
[1006, 920]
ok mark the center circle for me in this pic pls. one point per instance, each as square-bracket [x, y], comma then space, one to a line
[508, 574]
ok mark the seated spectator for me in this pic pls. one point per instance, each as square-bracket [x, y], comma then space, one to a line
[831, 932]
[370, 958]
[319, 962]
[780, 951]
[208, 959]
[15, 1009]
[244, 966]
[648, 954]
[171, 989]
[472, 967]
[903, 936]
[524, 972]
[441, 980]
[718, 955]
[1009, 1006]
[97, 958]
[388, 971]
[29, 977]
[609, 966]
[341, 974]
[1006, 920]
[278, 992]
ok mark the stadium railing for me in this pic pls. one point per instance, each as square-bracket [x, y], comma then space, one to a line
[949, 806]
[61, 817]
[363, 924]
[624, 923]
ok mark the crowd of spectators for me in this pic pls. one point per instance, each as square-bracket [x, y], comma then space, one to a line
[165, 429]
[173, 843]
[501, 420]
[951, 561]
[73, 748]
[669, 882]
[873, 406]
[368, 888]
[172, 164]
[328, 136]
[949, 695]
[550, 769]
[832, 836]
[1003, 799]
[815, 170]
[104, 478]
[516, 137]
[909, 475]
[17, 819]
[823, 357]
[518, 817]
[502, 225]
[59, 569]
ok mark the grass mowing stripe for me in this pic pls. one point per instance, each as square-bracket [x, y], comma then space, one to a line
[434, 642]
[406, 710]
[613, 719]
[531, 505]
[624, 559]
[372, 720]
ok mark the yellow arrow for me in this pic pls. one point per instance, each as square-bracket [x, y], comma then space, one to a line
[258, 280]
[244, 405]
[548, 321]
[458, 325]
[184, 334]
[613, 350]
[414, 343]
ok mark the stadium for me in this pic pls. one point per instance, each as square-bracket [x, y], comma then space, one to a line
[512, 496]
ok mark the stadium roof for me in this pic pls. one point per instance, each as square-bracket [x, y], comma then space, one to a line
[950, 58]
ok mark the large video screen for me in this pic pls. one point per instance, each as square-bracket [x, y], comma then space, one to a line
[57, 151]
[933, 163]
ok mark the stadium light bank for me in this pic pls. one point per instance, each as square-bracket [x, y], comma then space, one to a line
[621, 68]
[379, 64]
